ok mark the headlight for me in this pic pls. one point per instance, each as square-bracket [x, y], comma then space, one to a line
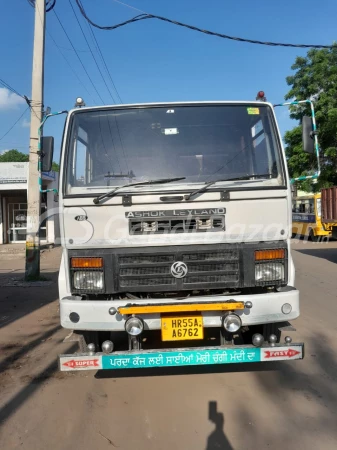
[269, 272]
[134, 326]
[88, 280]
[232, 323]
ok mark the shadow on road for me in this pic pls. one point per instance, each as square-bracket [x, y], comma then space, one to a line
[187, 370]
[306, 399]
[217, 439]
[13, 405]
[330, 254]
[19, 301]
[12, 358]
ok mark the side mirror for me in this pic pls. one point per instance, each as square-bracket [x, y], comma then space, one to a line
[47, 151]
[308, 135]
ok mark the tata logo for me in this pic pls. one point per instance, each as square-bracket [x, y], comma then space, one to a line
[179, 269]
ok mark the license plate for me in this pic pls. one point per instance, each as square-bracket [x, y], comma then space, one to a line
[181, 328]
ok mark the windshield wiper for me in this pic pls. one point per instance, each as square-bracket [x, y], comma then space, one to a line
[112, 192]
[210, 183]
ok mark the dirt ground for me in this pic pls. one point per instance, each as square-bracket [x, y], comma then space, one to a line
[286, 405]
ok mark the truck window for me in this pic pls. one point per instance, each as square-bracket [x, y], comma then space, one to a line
[304, 206]
[78, 174]
[201, 143]
[300, 206]
[311, 206]
[262, 158]
[318, 207]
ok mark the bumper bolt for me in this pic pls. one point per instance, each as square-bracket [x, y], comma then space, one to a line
[248, 305]
[91, 348]
[257, 340]
[272, 339]
[112, 311]
[288, 340]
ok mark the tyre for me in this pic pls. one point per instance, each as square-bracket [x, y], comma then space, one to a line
[312, 236]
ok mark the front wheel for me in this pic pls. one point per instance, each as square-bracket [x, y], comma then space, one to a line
[312, 236]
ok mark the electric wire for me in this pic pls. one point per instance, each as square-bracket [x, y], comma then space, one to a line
[18, 120]
[103, 78]
[104, 62]
[92, 53]
[14, 91]
[82, 64]
[144, 16]
[49, 4]
[103, 59]
[70, 66]
[10, 88]
[116, 122]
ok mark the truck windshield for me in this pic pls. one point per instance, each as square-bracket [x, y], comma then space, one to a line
[113, 147]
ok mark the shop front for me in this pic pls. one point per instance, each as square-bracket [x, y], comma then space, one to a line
[13, 205]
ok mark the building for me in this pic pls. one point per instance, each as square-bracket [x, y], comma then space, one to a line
[13, 205]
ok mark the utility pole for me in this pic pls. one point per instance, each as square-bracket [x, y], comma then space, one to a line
[33, 194]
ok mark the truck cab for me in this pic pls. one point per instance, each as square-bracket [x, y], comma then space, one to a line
[176, 225]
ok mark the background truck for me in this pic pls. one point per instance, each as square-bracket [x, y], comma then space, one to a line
[307, 222]
[329, 210]
[176, 223]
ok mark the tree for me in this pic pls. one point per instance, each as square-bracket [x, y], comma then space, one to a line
[55, 167]
[315, 79]
[14, 156]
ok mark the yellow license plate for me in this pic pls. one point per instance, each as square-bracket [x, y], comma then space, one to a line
[181, 328]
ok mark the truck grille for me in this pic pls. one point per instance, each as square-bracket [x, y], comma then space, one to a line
[206, 269]
[175, 225]
[210, 267]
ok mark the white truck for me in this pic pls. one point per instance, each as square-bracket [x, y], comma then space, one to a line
[175, 225]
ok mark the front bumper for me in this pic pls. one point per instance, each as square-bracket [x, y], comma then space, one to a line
[181, 357]
[95, 316]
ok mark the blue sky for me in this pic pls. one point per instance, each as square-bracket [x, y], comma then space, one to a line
[155, 61]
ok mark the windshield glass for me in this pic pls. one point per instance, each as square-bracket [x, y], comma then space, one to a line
[114, 147]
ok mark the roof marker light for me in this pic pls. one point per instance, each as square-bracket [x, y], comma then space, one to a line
[261, 96]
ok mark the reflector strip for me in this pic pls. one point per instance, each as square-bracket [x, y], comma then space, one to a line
[269, 254]
[86, 263]
[180, 307]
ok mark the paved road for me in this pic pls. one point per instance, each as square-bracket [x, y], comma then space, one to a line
[276, 406]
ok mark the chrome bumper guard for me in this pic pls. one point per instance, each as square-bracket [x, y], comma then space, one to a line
[180, 357]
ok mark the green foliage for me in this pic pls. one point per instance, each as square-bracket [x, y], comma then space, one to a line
[315, 78]
[14, 156]
[55, 167]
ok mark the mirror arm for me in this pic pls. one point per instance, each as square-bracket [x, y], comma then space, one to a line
[40, 153]
[314, 136]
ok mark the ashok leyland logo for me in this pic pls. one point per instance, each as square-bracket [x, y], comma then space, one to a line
[179, 269]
